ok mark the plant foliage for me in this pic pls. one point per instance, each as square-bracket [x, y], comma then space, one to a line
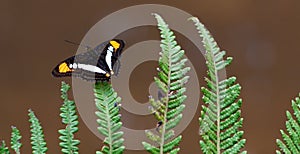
[291, 139]
[15, 140]
[3, 148]
[38, 142]
[70, 119]
[171, 79]
[221, 115]
[109, 118]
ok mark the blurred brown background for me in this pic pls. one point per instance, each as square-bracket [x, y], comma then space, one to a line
[262, 36]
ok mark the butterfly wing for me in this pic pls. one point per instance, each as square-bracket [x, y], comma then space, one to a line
[83, 65]
[116, 67]
[92, 65]
[111, 53]
[78, 66]
[116, 63]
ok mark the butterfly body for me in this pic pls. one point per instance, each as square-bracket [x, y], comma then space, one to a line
[96, 64]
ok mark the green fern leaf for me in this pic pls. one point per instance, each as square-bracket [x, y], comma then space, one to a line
[38, 142]
[15, 140]
[291, 143]
[109, 118]
[4, 148]
[171, 79]
[150, 148]
[70, 119]
[220, 118]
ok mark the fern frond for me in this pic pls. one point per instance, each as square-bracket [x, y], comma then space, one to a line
[221, 115]
[109, 118]
[70, 119]
[15, 140]
[38, 142]
[171, 79]
[4, 148]
[291, 139]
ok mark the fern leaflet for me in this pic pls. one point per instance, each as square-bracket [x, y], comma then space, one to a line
[171, 79]
[291, 143]
[37, 137]
[70, 119]
[15, 140]
[221, 115]
[3, 148]
[109, 118]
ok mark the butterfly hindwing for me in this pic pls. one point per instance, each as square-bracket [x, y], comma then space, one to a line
[94, 65]
[117, 67]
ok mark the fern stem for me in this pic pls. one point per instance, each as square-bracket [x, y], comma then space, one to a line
[212, 56]
[218, 101]
[167, 104]
[109, 129]
[218, 104]
[218, 120]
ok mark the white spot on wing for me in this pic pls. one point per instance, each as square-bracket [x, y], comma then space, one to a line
[111, 49]
[91, 68]
[108, 59]
[75, 65]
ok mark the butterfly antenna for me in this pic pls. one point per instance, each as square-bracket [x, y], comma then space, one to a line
[74, 43]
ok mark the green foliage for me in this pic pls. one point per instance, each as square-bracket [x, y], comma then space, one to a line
[3, 148]
[70, 119]
[291, 143]
[171, 79]
[15, 140]
[37, 137]
[221, 115]
[109, 118]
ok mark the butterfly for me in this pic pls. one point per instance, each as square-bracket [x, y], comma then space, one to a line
[97, 64]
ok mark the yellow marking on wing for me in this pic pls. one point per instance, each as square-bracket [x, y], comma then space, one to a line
[107, 75]
[115, 44]
[63, 68]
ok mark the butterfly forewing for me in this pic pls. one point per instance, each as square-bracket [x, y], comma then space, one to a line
[94, 65]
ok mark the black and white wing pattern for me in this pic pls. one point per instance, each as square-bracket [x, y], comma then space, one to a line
[94, 65]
